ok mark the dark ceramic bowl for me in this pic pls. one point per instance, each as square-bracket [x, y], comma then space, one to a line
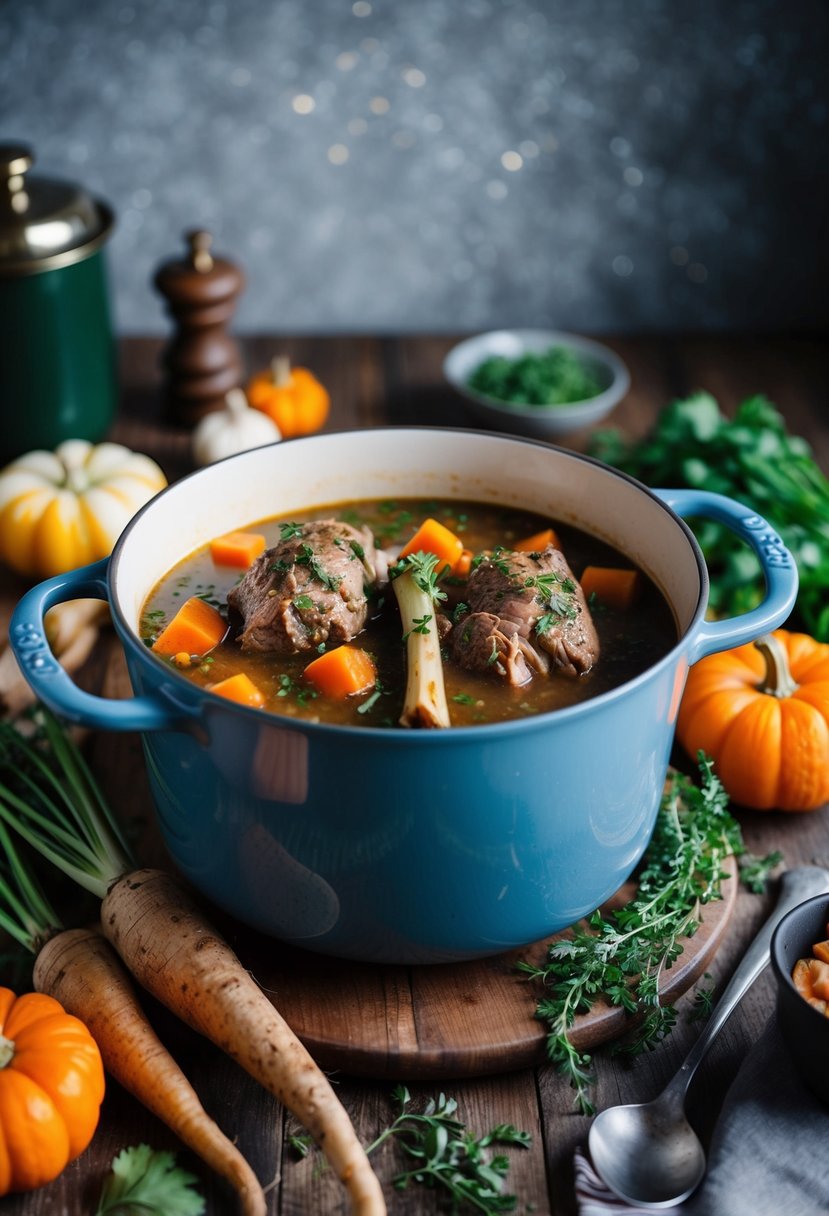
[805, 1030]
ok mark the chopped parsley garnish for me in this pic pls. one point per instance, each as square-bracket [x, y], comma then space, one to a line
[463, 698]
[420, 624]
[545, 623]
[371, 700]
[357, 549]
[289, 531]
[556, 593]
[501, 563]
[152, 623]
[493, 658]
[556, 376]
[422, 567]
[460, 610]
[307, 557]
[287, 687]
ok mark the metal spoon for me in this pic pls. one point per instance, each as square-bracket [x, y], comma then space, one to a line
[648, 1153]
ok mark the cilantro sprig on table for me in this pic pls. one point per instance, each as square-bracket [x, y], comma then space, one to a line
[145, 1180]
[442, 1154]
[621, 955]
[753, 458]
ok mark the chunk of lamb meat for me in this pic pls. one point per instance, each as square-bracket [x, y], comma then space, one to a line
[524, 611]
[308, 589]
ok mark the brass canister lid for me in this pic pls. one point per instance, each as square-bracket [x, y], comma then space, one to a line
[44, 223]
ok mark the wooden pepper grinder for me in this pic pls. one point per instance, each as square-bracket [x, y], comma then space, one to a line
[202, 362]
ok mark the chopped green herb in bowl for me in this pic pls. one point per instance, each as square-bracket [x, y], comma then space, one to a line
[556, 376]
[536, 381]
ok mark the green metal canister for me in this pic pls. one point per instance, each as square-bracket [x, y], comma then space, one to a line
[57, 351]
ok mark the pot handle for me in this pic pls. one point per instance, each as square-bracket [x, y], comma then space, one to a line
[777, 563]
[48, 680]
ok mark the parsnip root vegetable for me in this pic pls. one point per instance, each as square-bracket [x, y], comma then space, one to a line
[82, 971]
[180, 958]
[54, 803]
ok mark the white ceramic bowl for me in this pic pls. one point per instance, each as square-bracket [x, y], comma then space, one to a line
[540, 421]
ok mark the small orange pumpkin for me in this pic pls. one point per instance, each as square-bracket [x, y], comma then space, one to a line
[51, 1089]
[292, 397]
[761, 711]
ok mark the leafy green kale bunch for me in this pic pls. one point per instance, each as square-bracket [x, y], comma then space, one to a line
[755, 460]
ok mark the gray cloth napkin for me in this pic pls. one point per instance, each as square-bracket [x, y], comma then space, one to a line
[769, 1155]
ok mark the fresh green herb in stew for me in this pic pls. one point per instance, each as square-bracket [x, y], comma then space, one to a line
[630, 641]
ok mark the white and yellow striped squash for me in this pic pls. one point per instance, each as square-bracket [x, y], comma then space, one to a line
[63, 509]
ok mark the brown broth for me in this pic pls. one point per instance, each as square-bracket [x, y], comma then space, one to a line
[631, 640]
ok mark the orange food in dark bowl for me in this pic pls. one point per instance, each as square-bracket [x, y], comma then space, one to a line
[798, 950]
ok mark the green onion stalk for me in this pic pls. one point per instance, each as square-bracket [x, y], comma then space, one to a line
[50, 798]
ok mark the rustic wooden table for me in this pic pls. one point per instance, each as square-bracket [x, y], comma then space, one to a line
[377, 381]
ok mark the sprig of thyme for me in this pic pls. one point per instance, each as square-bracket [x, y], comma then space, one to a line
[623, 954]
[754, 871]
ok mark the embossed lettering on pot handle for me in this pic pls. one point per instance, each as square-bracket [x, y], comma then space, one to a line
[776, 561]
[48, 680]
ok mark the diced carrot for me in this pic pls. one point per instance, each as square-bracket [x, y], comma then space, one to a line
[196, 628]
[820, 978]
[802, 978]
[821, 949]
[811, 978]
[237, 549]
[342, 672]
[434, 537]
[538, 542]
[239, 688]
[463, 565]
[616, 588]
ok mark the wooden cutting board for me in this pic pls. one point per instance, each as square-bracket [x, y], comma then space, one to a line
[447, 1020]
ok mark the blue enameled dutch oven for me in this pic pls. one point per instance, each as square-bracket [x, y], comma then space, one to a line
[399, 845]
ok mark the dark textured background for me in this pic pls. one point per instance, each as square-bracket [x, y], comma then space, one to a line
[445, 164]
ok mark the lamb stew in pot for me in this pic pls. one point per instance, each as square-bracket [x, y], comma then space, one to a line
[408, 613]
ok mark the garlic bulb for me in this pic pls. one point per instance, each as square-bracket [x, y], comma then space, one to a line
[236, 428]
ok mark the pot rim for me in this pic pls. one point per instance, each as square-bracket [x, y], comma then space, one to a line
[532, 722]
